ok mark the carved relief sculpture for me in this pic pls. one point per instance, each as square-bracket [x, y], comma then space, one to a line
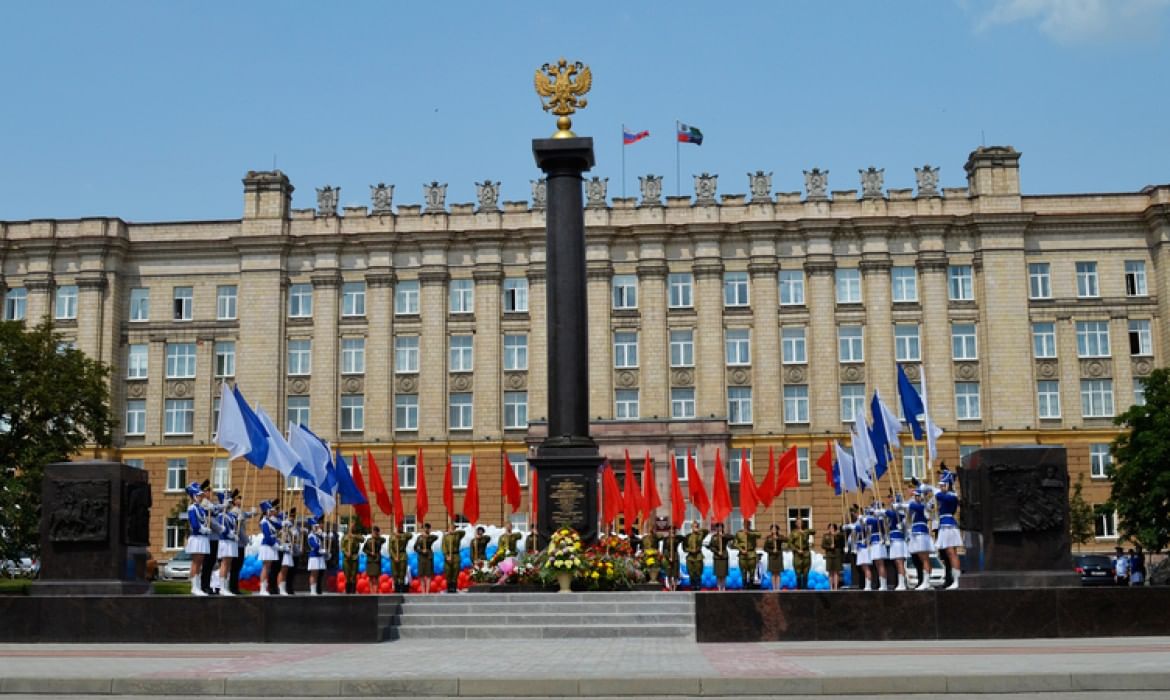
[761, 186]
[327, 197]
[488, 194]
[816, 183]
[435, 196]
[595, 192]
[539, 193]
[705, 186]
[927, 181]
[872, 180]
[382, 196]
[651, 190]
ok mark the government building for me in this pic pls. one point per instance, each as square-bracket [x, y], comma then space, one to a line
[729, 323]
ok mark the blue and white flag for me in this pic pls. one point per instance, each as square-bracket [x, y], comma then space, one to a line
[912, 405]
[239, 431]
[847, 474]
[864, 457]
[933, 432]
[347, 490]
[281, 456]
[890, 421]
[313, 457]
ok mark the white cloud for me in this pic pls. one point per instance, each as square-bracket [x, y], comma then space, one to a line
[1077, 21]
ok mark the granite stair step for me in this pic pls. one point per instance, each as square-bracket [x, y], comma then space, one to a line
[546, 619]
[543, 632]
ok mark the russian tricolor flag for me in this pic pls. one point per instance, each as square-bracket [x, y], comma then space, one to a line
[631, 137]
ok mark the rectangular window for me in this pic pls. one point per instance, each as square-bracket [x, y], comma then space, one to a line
[460, 470]
[214, 417]
[180, 417]
[905, 284]
[913, 462]
[459, 413]
[15, 303]
[802, 513]
[796, 403]
[1048, 399]
[298, 410]
[907, 347]
[625, 291]
[519, 463]
[682, 402]
[353, 299]
[1141, 341]
[848, 285]
[1135, 278]
[406, 298]
[738, 345]
[792, 345]
[406, 411]
[405, 354]
[135, 462]
[625, 349]
[461, 353]
[300, 354]
[1092, 338]
[852, 401]
[682, 285]
[1100, 460]
[137, 361]
[791, 288]
[176, 474]
[626, 404]
[175, 535]
[967, 400]
[1097, 398]
[1139, 391]
[461, 296]
[850, 344]
[294, 483]
[1087, 280]
[225, 358]
[680, 466]
[682, 348]
[739, 405]
[963, 345]
[736, 457]
[221, 474]
[407, 471]
[735, 289]
[1105, 526]
[66, 303]
[960, 283]
[353, 355]
[802, 473]
[515, 294]
[966, 451]
[226, 302]
[1039, 281]
[180, 360]
[136, 417]
[140, 304]
[516, 409]
[353, 413]
[1044, 340]
[300, 301]
[184, 303]
[516, 352]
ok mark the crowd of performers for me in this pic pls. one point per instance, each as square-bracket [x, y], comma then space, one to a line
[877, 542]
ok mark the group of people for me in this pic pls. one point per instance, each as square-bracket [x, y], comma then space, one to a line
[1129, 569]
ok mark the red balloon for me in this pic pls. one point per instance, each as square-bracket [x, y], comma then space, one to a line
[385, 587]
[438, 584]
[415, 586]
[341, 581]
[363, 586]
[384, 577]
[464, 579]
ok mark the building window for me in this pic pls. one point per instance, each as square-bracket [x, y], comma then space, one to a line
[298, 410]
[1135, 278]
[135, 463]
[682, 402]
[175, 535]
[459, 413]
[137, 361]
[792, 345]
[407, 472]
[682, 285]
[963, 345]
[1044, 340]
[967, 400]
[225, 302]
[1087, 280]
[738, 345]
[1039, 281]
[176, 474]
[848, 285]
[680, 467]
[406, 354]
[1092, 338]
[802, 465]
[739, 405]
[913, 462]
[1048, 399]
[850, 345]
[516, 352]
[406, 411]
[294, 483]
[300, 356]
[15, 304]
[461, 353]
[300, 301]
[736, 457]
[625, 349]
[214, 417]
[180, 417]
[353, 413]
[139, 304]
[1105, 525]
[1097, 398]
[225, 358]
[1140, 340]
[353, 299]
[852, 401]
[516, 409]
[1100, 460]
[460, 470]
[515, 294]
[184, 303]
[791, 288]
[1139, 391]
[625, 291]
[796, 403]
[905, 284]
[906, 344]
[180, 360]
[406, 298]
[410, 524]
[800, 512]
[353, 355]
[626, 404]
[461, 296]
[519, 462]
[66, 304]
[136, 417]
[735, 289]
[221, 474]
[682, 348]
[960, 283]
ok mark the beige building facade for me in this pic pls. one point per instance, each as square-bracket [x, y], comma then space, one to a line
[730, 324]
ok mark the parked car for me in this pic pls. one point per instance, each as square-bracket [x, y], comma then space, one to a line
[938, 573]
[22, 567]
[1094, 569]
[177, 569]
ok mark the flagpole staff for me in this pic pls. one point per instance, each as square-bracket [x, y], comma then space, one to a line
[677, 166]
[623, 161]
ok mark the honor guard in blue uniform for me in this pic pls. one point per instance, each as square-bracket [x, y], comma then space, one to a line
[229, 548]
[875, 524]
[198, 542]
[317, 552]
[896, 527]
[860, 539]
[269, 541]
[949, 539]
[921, 544]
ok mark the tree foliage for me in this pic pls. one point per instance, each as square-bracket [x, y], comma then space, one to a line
[54, 400]
[1080, 515]
[1140, 476]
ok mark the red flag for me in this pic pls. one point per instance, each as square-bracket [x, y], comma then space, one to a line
[721, 498]
[377, 486]
[471, 498]
[363, 510]
[650, 499]
[825, 462]
[449, 491]
[767, 490]
[787, 476]
[678, 509]
[749, 499]
[532, 495]
[511, 485]
[632, 496]
[612, 501]
[422, 504]
[395, 493]
[698, 492]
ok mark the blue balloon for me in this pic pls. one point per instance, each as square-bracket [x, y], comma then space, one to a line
[847, 576]
[438, 560]
[734, 580]
[465, 558]
[385, 564]
[788, 580]
[362, 561]
[766, 581]
[491, 550]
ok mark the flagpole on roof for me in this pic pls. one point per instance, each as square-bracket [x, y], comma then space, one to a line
[677, 167]
[623, 161]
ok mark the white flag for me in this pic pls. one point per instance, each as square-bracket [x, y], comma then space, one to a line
[892, 423]
[864, 456]
[933, 432]
[845, 469]
[231, 433]
[281, 456]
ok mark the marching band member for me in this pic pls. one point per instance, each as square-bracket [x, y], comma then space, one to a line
[228, 520]
[288, 532]
[198, 542]
[875, 528]
[861, 546]
[317, 550]
[949, 539]
[895, 524]
[921, 545]
[269, 533]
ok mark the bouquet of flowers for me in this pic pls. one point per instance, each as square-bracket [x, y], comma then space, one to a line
[564, 552]
[650, 558]
[484, 573]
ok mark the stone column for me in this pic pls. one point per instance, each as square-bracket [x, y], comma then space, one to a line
[654, 345]
[936, 339]
[601, 370]
[40, 297]
[879, 327]
[488, 350]
[537, 344]
[710, 364]
[156, 372]
[821, 341]
[1122, 370]
[325, 384]
[766, 401]
[432, 376]
[1070, 371]
[205, 388]
[91, 292]
[379, 353]
[1002, 285]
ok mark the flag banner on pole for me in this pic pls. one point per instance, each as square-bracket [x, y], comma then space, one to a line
[422, 504]
[847, 475]
[825, 463]
[281, 456]
[879, 438]
[767, 488]
[912, 406]
[749, 498]
[650, 499]
[631, 137]
[611, 494]
[787, 473]
[721, 496]
[378, 486]
[511, 485]
[247, 430]
[698, 492]
[363, 508]
[933, 432]
[631, 497]
[471, 497]
[689, 134]
[678, 508]
[449, 491]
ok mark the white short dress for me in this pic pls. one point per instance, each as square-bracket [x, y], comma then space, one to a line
[228, 549]
[898, 549]
[198, 544]
[921, 542]
[949, 536]
[269, 553]
[316, 563]
[863, 557]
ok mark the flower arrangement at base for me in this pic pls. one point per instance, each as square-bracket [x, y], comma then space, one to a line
[563, 555]
[484, 573]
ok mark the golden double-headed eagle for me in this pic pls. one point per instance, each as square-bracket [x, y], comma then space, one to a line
[561, 88]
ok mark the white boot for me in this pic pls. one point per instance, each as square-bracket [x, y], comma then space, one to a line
[227, 592]
[263, 586]
[313, 590]
[954, 581]
[882, 584]
[925, 585]
[216, 581]
[283, 588]
[901, 584]
[196, 586]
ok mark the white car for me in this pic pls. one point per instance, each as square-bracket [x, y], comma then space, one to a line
[938, 573]
[23, 567]
[177, 569]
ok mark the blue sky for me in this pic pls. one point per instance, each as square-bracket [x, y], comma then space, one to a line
[154, 110]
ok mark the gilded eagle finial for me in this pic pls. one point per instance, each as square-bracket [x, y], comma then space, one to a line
[561, 88]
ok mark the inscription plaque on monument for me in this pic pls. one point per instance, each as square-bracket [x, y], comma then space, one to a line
[566, 500]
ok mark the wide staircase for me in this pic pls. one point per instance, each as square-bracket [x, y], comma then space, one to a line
[540, 616]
